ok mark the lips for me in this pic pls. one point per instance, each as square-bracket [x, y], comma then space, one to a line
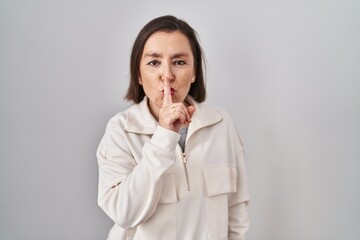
[172, 91]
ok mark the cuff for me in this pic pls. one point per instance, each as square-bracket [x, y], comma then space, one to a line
[165, 138]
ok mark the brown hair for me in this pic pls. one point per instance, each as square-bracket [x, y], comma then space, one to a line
[166, 23]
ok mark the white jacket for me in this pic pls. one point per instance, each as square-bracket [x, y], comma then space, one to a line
[153, 191]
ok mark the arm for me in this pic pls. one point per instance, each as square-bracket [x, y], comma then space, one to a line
[238, 201]
[129, 193]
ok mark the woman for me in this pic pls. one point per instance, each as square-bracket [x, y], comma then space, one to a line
[169, 166]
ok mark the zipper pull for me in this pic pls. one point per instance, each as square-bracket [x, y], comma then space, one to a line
[184, 158]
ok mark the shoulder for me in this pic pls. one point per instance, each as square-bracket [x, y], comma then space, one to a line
[205, 107]
[118, 120]
[226, 124]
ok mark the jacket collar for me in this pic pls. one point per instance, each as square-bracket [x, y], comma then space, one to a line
[140, 120]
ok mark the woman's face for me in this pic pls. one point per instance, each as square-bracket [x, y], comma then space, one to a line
[166, 57]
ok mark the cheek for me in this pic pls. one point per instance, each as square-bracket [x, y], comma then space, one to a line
[149, 85]
[186, 83]
[148, 78]
[151, 88]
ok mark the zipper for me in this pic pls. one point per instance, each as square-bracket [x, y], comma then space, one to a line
[184, 160]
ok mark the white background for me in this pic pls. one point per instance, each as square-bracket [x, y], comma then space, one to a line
[287, 71]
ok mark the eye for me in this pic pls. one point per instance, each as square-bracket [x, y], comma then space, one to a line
[179, 62]
[153, 63]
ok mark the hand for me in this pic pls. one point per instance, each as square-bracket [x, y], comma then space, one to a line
[173, 115]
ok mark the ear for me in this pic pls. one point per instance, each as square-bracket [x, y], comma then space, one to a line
[140, 81]
[193, 79]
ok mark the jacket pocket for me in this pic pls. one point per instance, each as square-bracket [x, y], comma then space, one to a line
[220, 181]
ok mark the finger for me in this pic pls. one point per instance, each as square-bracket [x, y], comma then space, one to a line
[181, 117]
[181, 108]
[191, 110]
[187, 115]
[167, 100]
[186, 111]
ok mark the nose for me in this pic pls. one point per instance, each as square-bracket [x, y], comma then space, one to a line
[166, 73]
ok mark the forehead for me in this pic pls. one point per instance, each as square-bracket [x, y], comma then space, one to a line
[167, 42]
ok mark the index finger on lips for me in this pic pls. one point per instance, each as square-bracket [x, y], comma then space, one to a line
[167, 100]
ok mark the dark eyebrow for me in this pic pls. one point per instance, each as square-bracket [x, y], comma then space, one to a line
[157, 55]
[153, 55]
[181, 54]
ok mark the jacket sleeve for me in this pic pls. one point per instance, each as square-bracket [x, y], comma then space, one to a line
[238, 201]
[129, 192]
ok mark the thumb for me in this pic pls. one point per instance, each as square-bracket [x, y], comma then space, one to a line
[191, 110]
